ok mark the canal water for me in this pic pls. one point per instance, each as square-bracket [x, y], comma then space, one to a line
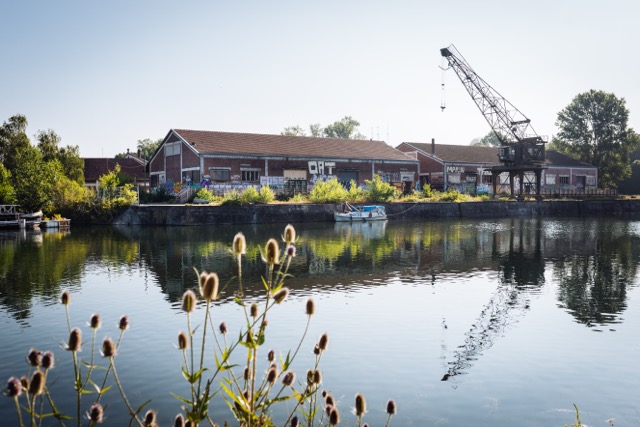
[496, 322]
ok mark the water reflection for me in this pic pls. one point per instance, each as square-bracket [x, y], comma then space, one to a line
[593, 260]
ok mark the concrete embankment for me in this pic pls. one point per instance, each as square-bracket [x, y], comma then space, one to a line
[181, 215]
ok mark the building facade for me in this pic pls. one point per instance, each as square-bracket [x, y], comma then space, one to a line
[468, 169]
[222, 161]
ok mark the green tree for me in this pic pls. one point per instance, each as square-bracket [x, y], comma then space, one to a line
[34, 179]
[145, 148]
[69, 156]
[7, 193]
[293, 131]
[489, 140]
[593, 128]
[346, 128]
[13, 137]
[380, 191]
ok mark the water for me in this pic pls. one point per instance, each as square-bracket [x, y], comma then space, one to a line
[484, 323]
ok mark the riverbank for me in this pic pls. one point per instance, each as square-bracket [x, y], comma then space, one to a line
[196, 215]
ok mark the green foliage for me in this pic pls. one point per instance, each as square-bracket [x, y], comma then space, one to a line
[70, 199]
[356, 193]
[113, 196]
[346, 128]
[249, 195]
[266, 195]
[34, 179]
[232, 198]
[380, 191]
[298, 198]
[330, 191]
[489, 140]
[593, 128]
[205, 194]
[427, 191]
[451, 195]
[7, 193]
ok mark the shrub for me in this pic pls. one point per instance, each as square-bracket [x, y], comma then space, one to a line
[266, 195]
[249, 195]
[380, 191]
[207, 195]
[427, 191]
[356, 194]
[298, 198]
[231, 198]
[330, 191]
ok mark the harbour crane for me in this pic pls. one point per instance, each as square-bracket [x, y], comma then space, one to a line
[521, 148]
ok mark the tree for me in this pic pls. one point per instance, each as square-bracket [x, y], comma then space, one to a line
[7, 193]
[346, 128]
[145, 148]
[593, 128]
[293, 131]
[489, 140]
[13, 137]
[69, 156]
[33, 179]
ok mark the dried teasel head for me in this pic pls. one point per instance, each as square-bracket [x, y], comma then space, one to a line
[289, 378]
[188, 301]
[272, 375]
[34, 357]
[239, 246]
[323, 342]
[334, 416]
[310, 308]
[281, 295]
[96, 413]
[95, 321]
[14, 387]
[223, 328]
[391, 407]
[183, 340]
[36, 386]
[108, 348]
[295, 422]
[289, 236]
[272, 252]
[361, 405]
[65, 297]
[179, 421]
[254, 310]
[209, 289]
[75, 340]
[123, 324]
[328, 400]
[48, 360]
[150, 419]
[271, 355]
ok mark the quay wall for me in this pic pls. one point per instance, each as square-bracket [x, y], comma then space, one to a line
[195, 215]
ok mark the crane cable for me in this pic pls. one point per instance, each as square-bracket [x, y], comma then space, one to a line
[443, 103]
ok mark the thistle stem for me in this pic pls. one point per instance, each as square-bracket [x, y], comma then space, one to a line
[124, 397]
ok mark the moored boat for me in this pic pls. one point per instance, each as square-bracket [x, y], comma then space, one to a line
[361, 213]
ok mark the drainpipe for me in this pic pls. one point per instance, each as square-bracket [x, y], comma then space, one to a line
[446, 176]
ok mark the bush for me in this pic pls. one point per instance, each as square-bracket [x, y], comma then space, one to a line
[266, 195]
[427, 191]
[356, 194]
[156, 195]
[380, 191]
[249, 195]
[330, 191]
[232, 198]
[207, 195]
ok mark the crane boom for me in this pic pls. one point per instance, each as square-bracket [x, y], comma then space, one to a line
[520, 145]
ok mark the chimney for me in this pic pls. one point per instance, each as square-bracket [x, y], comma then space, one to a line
[433, 146]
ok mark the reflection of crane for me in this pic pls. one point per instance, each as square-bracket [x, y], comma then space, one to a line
[521, 149]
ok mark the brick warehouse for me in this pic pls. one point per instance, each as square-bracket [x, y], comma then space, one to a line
[288, 164]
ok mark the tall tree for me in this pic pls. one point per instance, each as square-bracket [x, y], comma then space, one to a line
[489, 140]
[346, 128]
[13, 137]
[593, 128]
[7, 193]
[145, 148]
[293, 131]
[69, 156]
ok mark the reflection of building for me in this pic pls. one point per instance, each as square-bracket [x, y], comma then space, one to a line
[468, 169]
[292, 164]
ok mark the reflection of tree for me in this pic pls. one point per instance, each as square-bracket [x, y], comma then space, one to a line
[594, 286]
[35, 266]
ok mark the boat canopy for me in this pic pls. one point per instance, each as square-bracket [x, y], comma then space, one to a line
[372, 208]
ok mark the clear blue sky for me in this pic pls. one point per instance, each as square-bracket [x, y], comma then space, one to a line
[106, 74]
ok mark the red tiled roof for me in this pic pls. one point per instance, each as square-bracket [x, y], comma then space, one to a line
[488, 155]
[211, 142]
[94, 168]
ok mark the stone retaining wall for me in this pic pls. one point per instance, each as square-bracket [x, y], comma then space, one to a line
[180, 215]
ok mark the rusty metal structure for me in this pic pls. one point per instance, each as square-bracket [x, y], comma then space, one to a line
[521, 149]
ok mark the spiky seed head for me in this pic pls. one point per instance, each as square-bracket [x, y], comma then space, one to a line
[324, 341]
[123, 324]
[25, 382]
[328, 409]
[361, 405]
[108, 348]
[254, 310]
[310, 377]
[281, 295]
[291, 251]
[210, 287]
[239, 244]
[289, 234]
[272, 252]
[65, 298]
[201, 279]
[14, 387]
[34, 357]
[324, 393]
[311, 307]
[272, 375]
[247, 374]
[150, 418]
[223, 328]
[75, 340]
[36, 386]
[188, 301]
[391, 407]
[289, 378]
[365, 425]
[179, 421]
[271, 355]
[317, 377]
[96, 413]
[334, 416]
[316, 349]
[183, 340]
[295, 422]
[48, 360]
[190, 423]
[328, 400]
[95, 321]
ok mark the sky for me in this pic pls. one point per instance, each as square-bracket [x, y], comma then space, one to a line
[104, 75]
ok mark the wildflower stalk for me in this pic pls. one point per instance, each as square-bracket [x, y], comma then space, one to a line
[133, 414]
[15, 400]
[106, 375]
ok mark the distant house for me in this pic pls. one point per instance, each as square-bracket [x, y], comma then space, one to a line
[222, 161]
[133, 168]
[468, 168]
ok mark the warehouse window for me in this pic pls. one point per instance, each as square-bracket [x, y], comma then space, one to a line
[220, 174]
[564, 180]
[250, 175]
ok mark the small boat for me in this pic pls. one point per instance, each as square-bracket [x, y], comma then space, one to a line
[56, 223]
[11, 218]
[361, 213]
